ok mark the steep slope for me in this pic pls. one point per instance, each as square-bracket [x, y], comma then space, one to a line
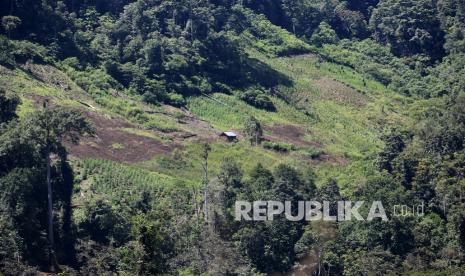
[331, 100]
[330, 113]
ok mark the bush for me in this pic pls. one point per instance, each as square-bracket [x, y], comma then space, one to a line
[324, 34]
[222, 88]
[258, 99]
[175, 99]
[6, 57]
[28, 51]
[137, 115]
[279, 146]
[378, 73]
[314, 152]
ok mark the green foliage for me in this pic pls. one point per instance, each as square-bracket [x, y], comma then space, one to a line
[419, 34]
[367, 57]
[176, 99]
[102, 223]
[228, 112]
[10, 23]
[8, 105]
[11, 248]
[279, 146]
[371, 261]
[253, 130]
[6, 56]
[270, 246]
[405, 75]
[21, 51]
[24, 51]
[112, 177]
[95, 258]
[131, 220]
[22, 178]
[324, 35]
[267, 37]
[257, 98]
[394, 144]
[314, 152]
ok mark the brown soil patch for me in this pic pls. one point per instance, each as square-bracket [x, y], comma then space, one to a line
[112, 143]
[195, 128]
[334, 90]
[290, 134]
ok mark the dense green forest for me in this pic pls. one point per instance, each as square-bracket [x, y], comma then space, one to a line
[111, 112]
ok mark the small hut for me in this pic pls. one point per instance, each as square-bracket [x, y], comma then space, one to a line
[229, 136]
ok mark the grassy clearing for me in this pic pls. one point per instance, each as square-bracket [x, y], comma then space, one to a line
[133, 110]
[228, 112]
[26, 84]
[26, 106]
[111, 181]
[344, 129]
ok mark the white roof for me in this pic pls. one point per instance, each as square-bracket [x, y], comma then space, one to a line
[230, 134]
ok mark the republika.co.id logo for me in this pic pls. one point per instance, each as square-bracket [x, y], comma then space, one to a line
[315, 210]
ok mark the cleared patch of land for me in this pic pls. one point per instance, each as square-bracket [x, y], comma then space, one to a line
[290, 134]
[111, 142]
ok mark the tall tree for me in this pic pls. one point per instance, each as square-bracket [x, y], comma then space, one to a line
[253, 130]
[10, 23]
[49, 128]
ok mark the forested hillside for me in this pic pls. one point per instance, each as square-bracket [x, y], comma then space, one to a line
[111, 159]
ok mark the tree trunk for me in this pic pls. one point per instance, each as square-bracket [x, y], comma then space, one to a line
[51, 240]
[50, 213]
[205, 179]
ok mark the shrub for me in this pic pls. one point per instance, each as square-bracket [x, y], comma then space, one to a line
[314, 152]
[258, 99]
[175, 99]
[137, 115]
[379, 73]
[279, 146]
[222, 88]
[324, 34]
[28, 51]
[6, 57]
[72, 62]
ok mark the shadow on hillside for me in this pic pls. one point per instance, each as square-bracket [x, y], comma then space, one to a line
[265, 75]
[243, 72]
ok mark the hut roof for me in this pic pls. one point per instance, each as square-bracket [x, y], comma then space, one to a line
[229, 134]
